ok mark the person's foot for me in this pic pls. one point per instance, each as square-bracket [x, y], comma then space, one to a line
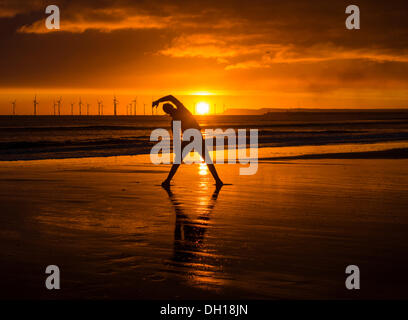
[165, 184]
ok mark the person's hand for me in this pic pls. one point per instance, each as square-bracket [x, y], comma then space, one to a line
[169, 98]
[155, 103]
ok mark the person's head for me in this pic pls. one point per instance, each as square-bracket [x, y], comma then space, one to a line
[169, 109]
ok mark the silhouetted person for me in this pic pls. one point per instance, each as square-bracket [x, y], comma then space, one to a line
[179, 112]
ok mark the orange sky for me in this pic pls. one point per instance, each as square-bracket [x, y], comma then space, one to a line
[248, 55]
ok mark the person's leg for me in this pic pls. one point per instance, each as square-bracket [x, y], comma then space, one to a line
[174, 167]
[206, 156]
[214, 174]
[172, 172]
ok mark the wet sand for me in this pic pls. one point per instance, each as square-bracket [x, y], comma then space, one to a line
[287, 232]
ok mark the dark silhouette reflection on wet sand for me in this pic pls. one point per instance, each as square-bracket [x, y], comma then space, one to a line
[192, 257]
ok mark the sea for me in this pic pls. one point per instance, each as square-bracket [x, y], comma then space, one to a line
[58, 137]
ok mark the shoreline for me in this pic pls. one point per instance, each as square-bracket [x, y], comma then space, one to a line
[399, 153]
[386, 153]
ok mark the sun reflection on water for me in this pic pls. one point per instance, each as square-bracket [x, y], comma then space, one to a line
[202, 169]
[194, 256]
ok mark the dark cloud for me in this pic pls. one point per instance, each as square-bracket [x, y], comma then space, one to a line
[286, 44]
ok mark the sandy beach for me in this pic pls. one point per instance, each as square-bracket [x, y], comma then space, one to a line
[287, 232]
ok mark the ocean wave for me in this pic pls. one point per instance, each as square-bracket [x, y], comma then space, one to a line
[44, 138]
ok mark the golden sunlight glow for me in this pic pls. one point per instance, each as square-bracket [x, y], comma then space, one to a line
[202, 108]
[203, 169]
[202, 93]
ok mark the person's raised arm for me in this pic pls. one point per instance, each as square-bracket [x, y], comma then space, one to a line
[171, 99]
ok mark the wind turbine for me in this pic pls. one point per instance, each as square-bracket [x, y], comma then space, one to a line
[99, 107]
[80, 106]
[59, 106]
[54, 105]
[134, 106]
[87, 109]
[72, 108]
[35, 105]
[13, 103]
[115, 104]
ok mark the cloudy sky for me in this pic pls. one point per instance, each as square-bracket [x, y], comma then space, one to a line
[247, 53]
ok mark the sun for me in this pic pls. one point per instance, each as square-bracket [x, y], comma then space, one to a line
[202, 108]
